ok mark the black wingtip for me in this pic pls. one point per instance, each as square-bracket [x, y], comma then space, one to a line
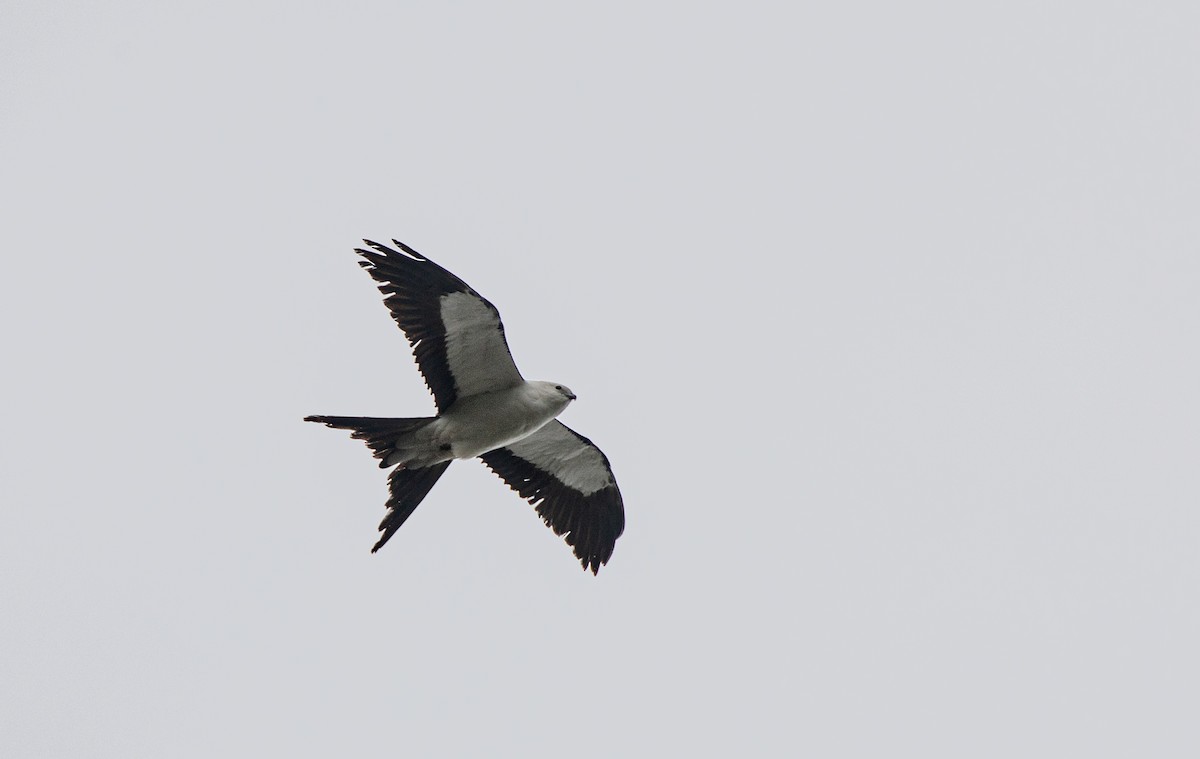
[379, 248]
[408, 249]
[593, 563]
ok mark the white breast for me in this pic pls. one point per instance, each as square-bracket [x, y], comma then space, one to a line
[481, 423]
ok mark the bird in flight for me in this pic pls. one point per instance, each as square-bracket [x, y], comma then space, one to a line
[486, 410]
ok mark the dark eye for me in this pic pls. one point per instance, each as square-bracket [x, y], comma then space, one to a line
[558, 387]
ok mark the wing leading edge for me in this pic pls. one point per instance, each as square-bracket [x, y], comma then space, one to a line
[456, 335]
[570, 483]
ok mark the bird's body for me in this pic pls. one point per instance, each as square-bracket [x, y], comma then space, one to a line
[480, 423]
[487, 410]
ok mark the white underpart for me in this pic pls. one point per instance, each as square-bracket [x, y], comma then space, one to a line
[476, 354]
[481, 423]
[555, 450]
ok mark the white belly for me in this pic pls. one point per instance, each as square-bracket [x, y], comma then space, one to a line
[481, 423]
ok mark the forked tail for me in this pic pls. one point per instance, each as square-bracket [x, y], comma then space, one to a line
[384, 436]
[406, 489]
[391, 440]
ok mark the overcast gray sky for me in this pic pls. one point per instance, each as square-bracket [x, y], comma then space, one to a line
[886, 315]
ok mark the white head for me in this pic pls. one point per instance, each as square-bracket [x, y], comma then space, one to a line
[554, 394]
[566, 392]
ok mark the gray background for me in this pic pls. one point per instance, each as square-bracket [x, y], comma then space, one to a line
[885, 314]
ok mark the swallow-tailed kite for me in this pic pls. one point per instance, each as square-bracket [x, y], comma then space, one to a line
[485, 410]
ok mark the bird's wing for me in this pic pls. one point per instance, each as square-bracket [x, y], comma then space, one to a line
[456, 335]
[567, 478]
